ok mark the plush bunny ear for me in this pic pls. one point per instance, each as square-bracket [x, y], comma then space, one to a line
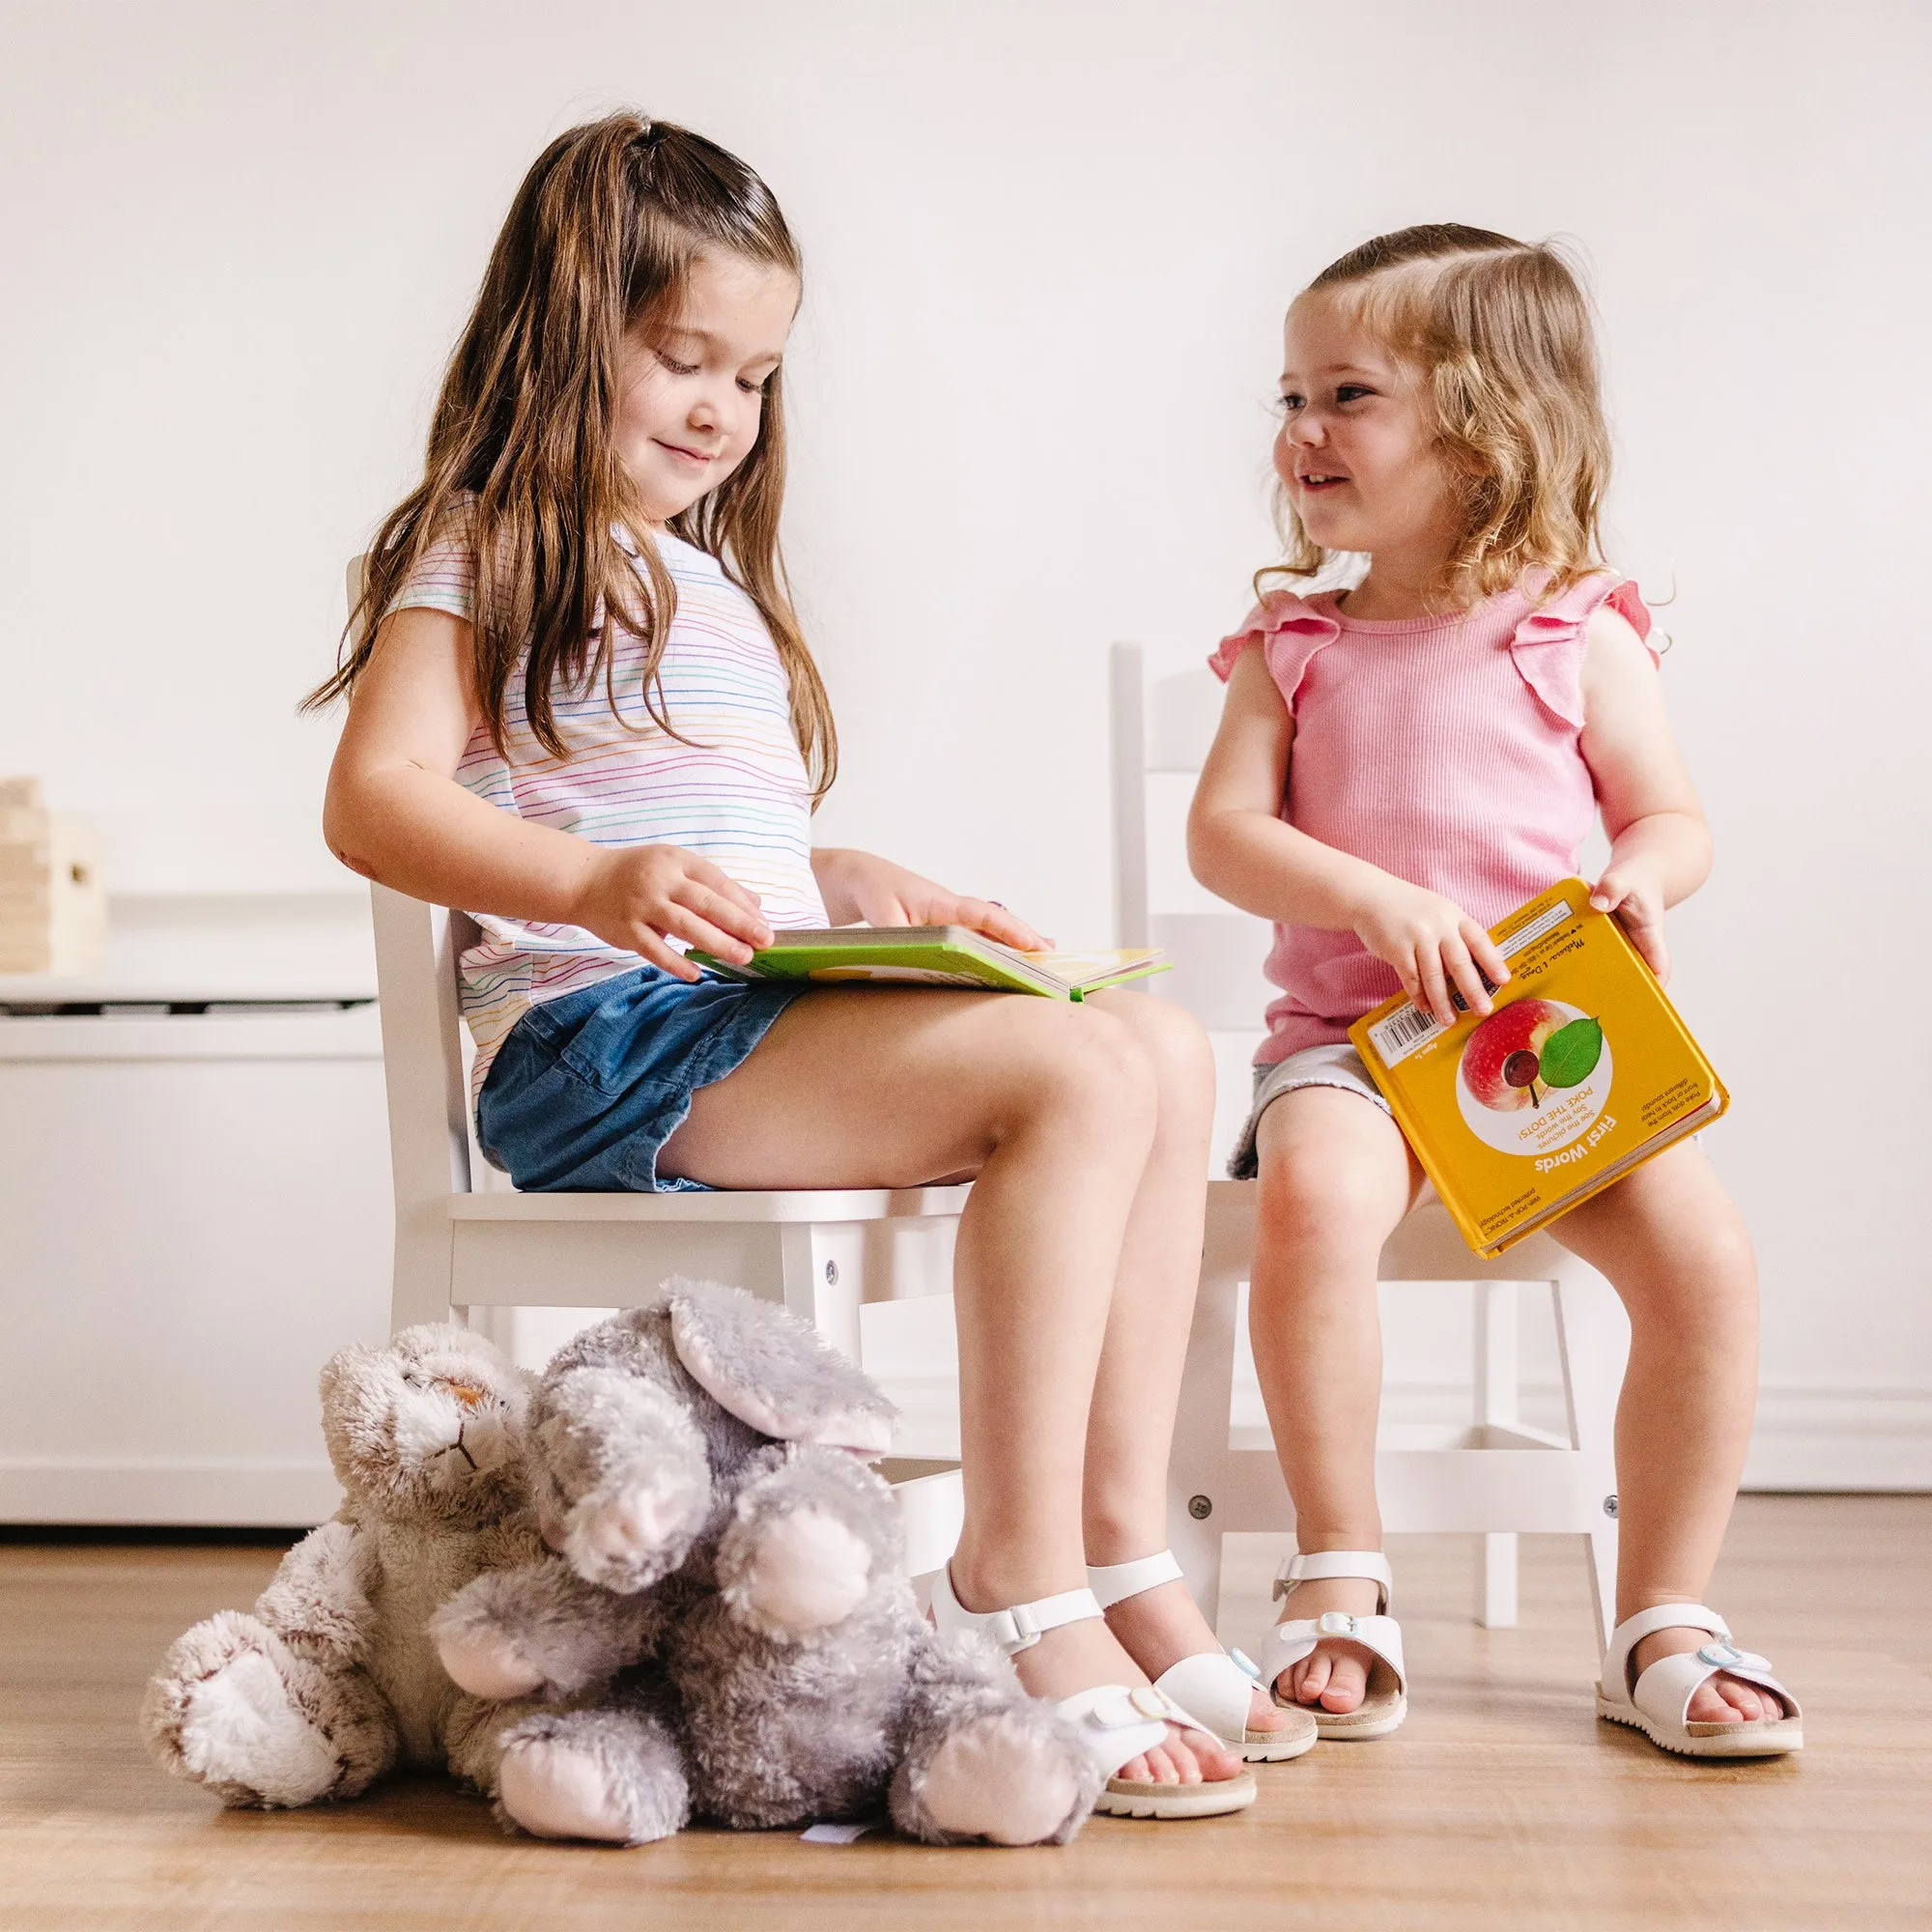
[772, 1372]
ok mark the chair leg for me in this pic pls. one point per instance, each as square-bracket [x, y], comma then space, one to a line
[1198, 1467]
[1592, 1345]
[1497, 1405]
[824, 1271]
[424, 1267]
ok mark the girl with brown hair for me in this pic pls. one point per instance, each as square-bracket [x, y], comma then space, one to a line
[582, 709]
[1400, 763]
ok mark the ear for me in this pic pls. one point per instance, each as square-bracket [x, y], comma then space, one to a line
[772, 1372]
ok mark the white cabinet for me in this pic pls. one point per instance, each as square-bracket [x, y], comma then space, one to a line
[194, 1214]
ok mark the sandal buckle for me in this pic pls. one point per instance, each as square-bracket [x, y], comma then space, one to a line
[1719, 1655]
[1335, 1623]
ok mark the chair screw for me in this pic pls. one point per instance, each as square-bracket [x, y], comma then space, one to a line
[1610, 1504]
[831, 1274]
[1200, 1508]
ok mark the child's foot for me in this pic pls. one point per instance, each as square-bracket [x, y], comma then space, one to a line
[1158, 1628]
[1334, 1676]
[1722, 1699]
[1076, 1657]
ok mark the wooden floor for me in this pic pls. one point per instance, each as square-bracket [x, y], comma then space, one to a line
[1502, 1804]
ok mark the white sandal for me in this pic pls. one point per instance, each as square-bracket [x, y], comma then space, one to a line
[1118, 1722]
[1655, 1703]
[1386, 1703]
[1212, 1684]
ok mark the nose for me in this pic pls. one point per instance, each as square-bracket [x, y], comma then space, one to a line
[1305, 429]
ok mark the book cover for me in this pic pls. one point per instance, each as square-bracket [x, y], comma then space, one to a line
[1581, 1073]
[937, 956]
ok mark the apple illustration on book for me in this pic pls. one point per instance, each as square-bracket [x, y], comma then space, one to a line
[1526, 1047]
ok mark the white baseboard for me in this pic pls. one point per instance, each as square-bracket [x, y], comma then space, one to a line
[238, 1494]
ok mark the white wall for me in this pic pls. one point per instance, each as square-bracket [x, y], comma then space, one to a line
[1047, 248]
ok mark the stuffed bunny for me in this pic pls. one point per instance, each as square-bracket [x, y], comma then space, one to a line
[698, 1464]
[332, 1679]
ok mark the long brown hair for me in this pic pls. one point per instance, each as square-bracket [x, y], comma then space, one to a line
[1499, 332]
[522, 465]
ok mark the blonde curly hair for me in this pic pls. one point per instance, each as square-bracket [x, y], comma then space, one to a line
[1499, 332]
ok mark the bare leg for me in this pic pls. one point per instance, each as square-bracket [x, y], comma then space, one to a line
[1675, 1249]
[1130, 1426]
[1336, 1176]
[1051, 1107]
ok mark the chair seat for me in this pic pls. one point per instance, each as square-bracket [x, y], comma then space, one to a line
[795, 1206]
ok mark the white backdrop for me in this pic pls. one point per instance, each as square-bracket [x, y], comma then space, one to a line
[1047, 248]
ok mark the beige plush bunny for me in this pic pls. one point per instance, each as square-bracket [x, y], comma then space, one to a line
[332, 1679]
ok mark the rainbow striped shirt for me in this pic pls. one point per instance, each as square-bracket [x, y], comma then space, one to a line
[737, 794]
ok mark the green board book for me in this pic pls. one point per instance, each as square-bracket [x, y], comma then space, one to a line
[936, 955]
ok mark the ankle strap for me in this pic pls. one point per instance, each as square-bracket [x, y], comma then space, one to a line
[1371, 1565]
[1115, 1582]
[1019, 1628]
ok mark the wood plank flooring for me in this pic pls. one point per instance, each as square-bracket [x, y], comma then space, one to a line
[1502, 1804]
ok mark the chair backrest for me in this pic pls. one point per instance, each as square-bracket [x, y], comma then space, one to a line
[417, 948]
[1163, 730]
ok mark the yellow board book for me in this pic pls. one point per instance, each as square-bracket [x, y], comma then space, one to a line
[1582, 1072]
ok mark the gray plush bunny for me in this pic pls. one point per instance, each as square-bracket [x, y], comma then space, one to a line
[698, 1464]
[331, 1679]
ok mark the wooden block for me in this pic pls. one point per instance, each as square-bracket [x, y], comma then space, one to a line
[53, 904]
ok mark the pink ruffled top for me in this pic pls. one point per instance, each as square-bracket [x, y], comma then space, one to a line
[1444, 749]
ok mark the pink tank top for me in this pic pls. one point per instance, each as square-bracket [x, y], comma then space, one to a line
[1444, 749]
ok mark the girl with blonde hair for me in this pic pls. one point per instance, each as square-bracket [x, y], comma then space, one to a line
[1401, 762]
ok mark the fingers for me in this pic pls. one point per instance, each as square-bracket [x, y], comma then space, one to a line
[997, 922]
[724, 903]
[648, 946]
[1486, 955]
[1462, 969]
[681, 922]
[1434, 987]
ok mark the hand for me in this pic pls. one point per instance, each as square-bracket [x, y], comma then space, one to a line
[1633, 892]
[1432, 944]
[637, 897]
[865, 887]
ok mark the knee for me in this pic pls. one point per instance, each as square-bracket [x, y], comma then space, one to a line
[1087, 1072]
[1177, 1049]
[1708, 1282]
[1309, 1200]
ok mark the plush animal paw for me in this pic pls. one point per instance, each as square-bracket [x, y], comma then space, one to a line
[613, 1775]
[797, 1572]
[233, 1708]
[486, 1662]
[1006, 1780]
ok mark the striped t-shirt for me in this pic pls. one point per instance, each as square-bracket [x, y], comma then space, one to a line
[737, 793]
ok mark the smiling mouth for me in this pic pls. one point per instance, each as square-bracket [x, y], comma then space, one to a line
[699, 455]
[1320, 480]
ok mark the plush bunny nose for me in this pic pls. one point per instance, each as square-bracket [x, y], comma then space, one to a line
[469, 1397]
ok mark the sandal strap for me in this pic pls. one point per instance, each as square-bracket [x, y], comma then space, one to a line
[1115, 1582]
[1117, 1724]
[1631, 1631]
[1018, 1627]
[1307, 1567]
[1287, 1643]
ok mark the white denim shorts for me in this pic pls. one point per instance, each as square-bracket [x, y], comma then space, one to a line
[1337, 1066]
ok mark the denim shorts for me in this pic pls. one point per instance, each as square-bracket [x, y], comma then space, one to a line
[589, 1087]
[1337, 1066]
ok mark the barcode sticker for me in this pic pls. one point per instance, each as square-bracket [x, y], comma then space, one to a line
[1405, 1029]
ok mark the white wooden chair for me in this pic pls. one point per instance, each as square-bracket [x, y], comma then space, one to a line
[461, 1244]
[1496, 1477]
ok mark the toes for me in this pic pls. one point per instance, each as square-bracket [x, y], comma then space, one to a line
[1137, 1771]
[1211, 1758]
[1314, 1678]
[1348, 1681]
[1263, 1715]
